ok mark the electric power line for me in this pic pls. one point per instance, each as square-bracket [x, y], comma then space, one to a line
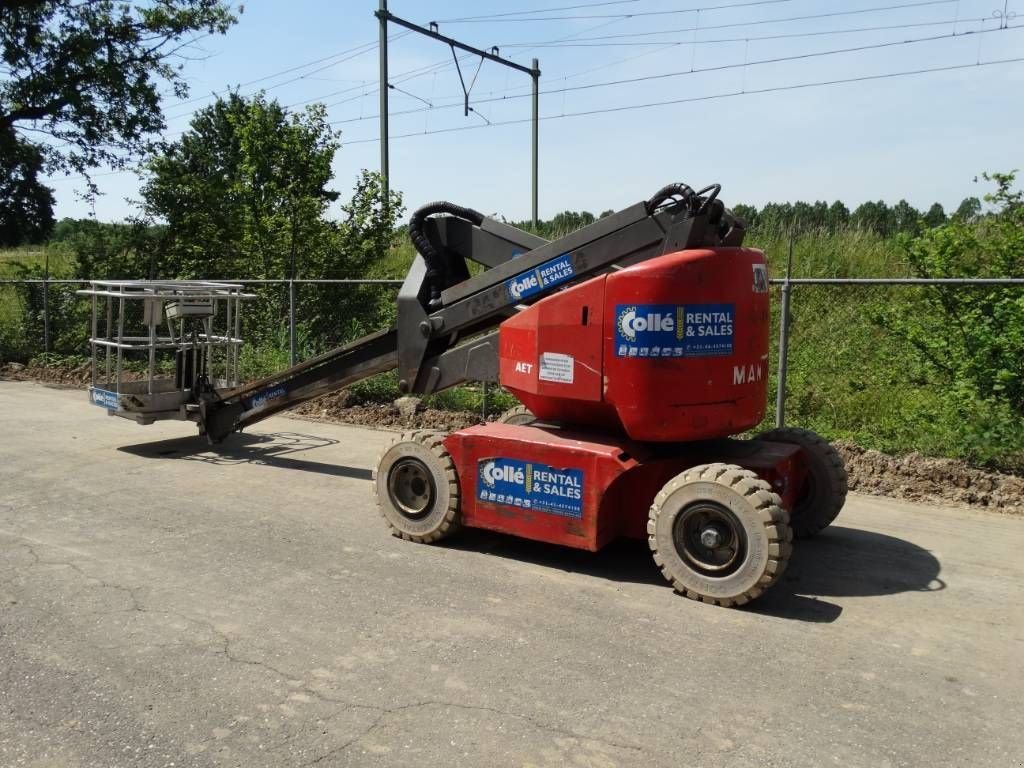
[666, 45]
[710, 97]
[537, 10]
[785, 36]
[281, 72]
[760, 22]
[334, 60]
[639, 14]
[716, 68]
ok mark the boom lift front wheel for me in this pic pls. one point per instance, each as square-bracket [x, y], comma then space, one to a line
[719, 534]
[417, 488]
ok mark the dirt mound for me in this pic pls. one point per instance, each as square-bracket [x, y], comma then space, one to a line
[339, 407]
[920, 478]
[66, 376]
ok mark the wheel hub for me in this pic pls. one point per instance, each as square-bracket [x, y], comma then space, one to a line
[710, 539]
[411, 488]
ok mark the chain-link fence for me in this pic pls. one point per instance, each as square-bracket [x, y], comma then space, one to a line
[902, 365]
[286, 321]
[935, 366]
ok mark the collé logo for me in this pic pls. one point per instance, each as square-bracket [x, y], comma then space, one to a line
[529, 485]
[674, 330]
[630, 322]
[548, 274]
[271, 393]
[105, 399]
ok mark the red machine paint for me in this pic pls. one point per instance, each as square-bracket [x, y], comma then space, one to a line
[580, 356]
[642, 362]
[620, 477]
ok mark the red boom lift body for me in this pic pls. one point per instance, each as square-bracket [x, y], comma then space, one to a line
[672, 350]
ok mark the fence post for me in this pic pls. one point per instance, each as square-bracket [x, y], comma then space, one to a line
[780, 392]
[291, 321]
[46, 304]
[483, 401]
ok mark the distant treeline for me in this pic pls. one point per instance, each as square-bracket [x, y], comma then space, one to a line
[873, 216]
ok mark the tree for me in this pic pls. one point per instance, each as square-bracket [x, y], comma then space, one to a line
[906, 218]
[81, 80]
[873, 216]
[838, 215]
[244, 190]
[26, 205]
[936, 216]
[747, 214]
[969, 209]
[245, 193]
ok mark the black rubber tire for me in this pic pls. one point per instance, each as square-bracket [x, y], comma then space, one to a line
[820, 502]
[443, 515]
[519, 416]
[765, 524]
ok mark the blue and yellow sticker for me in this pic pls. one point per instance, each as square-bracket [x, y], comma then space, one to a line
[530, 485]
[674, 330]
[548, 274]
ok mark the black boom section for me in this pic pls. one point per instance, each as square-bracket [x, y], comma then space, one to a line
[365, 357]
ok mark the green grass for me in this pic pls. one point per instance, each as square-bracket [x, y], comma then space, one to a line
[31, 261]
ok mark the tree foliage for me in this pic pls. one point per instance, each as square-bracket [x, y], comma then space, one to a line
[26, 205]
[88, 73]
[244, 193]
[972, 337]
[244, 190]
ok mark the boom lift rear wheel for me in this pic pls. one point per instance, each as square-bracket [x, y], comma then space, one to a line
[823, 493]
[519, 415]
[417, 488]
[719, 534]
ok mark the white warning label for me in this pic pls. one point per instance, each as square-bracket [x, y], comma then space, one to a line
[554, 366]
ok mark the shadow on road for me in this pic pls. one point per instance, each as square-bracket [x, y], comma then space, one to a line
[272, 449]
[842, 562]
[847, 562]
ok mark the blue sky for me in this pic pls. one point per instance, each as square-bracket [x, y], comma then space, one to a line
[923, 137]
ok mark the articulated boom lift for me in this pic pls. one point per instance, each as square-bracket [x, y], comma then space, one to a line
[638, 345]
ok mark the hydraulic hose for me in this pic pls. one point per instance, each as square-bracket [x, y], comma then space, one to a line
[435, 264]
[666, 193]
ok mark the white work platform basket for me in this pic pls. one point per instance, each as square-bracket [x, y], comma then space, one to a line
[154, 342]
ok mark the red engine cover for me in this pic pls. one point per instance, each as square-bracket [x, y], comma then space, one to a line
[672, 349]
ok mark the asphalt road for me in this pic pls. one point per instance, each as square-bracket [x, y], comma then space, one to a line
[161, 604]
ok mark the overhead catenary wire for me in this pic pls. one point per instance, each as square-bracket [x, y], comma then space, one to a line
[755, 23]
[289, 70]
[444, 64]
[635, 15]
[538, 10]
[684, 100]
[398, 78]
[666, 45]
[332, 61]
[716, 68]
[708, 97]
[781, 36]
[435, 68]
